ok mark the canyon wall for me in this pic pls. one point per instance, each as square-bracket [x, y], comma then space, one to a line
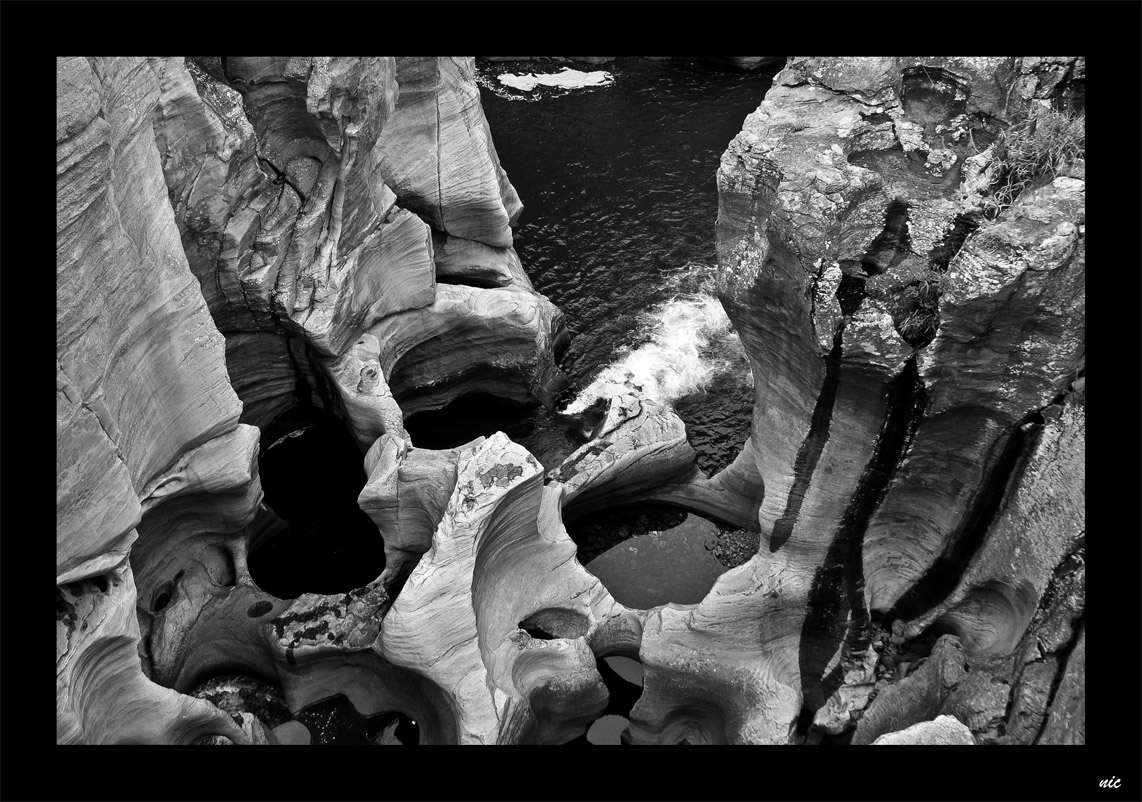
[244, 244]
[922, 463]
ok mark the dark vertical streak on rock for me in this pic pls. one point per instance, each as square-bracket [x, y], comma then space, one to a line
[810, 452]
[301, 389]
[836, 597]
[1005, 460]
[892, 244]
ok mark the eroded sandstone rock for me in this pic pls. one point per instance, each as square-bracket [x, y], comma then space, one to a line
[911, 464]
[942, 731]
[285, 174]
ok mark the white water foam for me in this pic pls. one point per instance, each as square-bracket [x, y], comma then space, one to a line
[691, 342]
[567, 79]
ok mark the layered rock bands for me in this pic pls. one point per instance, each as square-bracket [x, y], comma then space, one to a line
[247, 244]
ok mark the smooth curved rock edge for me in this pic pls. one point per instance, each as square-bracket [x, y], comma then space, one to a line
[151, 426]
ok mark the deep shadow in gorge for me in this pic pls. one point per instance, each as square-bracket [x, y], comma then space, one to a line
[549, 436]
[622, 674]
[311, 478]
[837, 616]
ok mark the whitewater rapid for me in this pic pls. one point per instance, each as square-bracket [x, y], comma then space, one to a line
[567, 78]
[687, 342]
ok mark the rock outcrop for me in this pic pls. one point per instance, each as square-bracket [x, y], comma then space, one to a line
[286, 174]
[227, 244]
[245, 242]
[942, 731]
[147, 422]
[891, 435]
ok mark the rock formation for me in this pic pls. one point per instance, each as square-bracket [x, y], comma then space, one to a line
[942, 731]
[892, 462]
[244, 243]
[229, 241]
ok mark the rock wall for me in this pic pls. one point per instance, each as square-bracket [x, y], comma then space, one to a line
[897, 460]
[310, 231]
[146, 417]
[243, 241]
[231, 254]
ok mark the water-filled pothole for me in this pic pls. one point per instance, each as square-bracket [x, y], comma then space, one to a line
[336, 721]
[549, 436]
[649, 555]
[235, 694]
[622, 674]
[311, 478]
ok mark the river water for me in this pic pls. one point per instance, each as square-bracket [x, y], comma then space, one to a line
[620, 205]
[620, 198]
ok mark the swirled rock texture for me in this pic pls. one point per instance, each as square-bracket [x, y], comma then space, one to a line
[225, 243]
[147, 423]
[894, 442]
[244, 241]
[309, 192]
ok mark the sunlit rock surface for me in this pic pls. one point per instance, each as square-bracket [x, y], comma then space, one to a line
[943, 731]
[245, 242]
[285, 175]
[437, 152]
[820, 199]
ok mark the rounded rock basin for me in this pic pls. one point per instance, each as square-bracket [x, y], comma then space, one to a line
[652, 555]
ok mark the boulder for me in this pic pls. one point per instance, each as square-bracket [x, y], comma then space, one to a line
[942, 731]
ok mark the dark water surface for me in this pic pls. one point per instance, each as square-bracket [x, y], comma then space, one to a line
[618, 230]
[619, 191]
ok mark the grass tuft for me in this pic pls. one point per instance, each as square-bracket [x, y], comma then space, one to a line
[1033, 151]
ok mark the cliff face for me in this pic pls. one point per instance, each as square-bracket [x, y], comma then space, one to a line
[243, 243]
[145, 413]
[231, 255]
[904, 466]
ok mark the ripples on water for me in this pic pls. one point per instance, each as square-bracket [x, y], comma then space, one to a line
[620, 203]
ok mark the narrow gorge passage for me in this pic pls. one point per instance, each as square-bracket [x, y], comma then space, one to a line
[338, 464]
[618, 230]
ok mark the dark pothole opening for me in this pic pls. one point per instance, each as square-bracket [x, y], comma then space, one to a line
[548, 435]
[468, 417]
[311, 477]
[622, 674]
[651, 554]
[555, 622]
[335, 721]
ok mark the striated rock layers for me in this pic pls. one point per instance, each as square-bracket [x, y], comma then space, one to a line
[242, 242]
[921, 464]
[246, 242]
[312, 195]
